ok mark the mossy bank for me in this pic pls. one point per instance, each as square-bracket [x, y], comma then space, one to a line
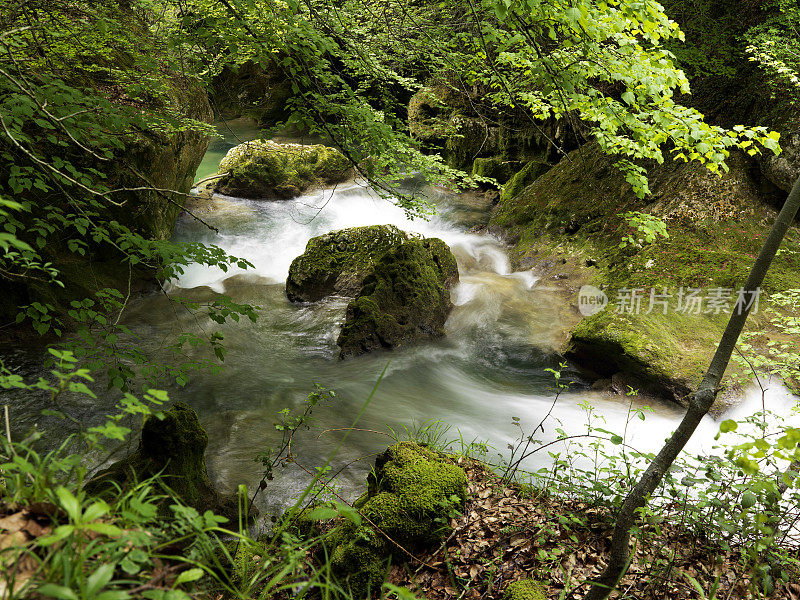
[716, 226]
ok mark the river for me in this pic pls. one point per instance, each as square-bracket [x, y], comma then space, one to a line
[503, 333]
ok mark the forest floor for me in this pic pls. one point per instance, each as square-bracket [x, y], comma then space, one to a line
[508, 533]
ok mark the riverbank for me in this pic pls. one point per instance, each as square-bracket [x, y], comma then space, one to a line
[715, 226]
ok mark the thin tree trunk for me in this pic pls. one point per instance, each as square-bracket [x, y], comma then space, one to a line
[699, 405]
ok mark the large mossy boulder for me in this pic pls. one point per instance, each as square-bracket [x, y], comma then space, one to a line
[337, 263]
[267, 169]
[405, 298]
[173, 446]
[410, 494]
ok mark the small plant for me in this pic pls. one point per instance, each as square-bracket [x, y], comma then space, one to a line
[647, 229]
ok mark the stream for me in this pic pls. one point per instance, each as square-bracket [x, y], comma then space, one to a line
[502, 334]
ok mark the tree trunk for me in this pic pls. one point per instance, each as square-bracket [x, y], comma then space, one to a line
[699, 405]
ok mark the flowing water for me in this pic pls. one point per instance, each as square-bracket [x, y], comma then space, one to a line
[503, 333]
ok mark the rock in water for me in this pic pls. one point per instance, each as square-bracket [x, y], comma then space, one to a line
[174, 446]
[405, 298]
[400, 284]
[337, 263]
[267, 169]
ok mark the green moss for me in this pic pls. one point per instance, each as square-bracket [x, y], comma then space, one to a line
[359, 567]
[525, 589]
[266, 169]
[245, 561]
[523, 178]
[175, 447]
[664, 352]
[338, 262]
[405, 298]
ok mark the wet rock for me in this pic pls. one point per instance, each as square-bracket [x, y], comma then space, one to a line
[175, 447]
[337, 263]
[405, 298]
[267, 169]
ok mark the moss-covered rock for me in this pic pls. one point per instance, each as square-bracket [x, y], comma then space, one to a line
[174, 446]
[405, 298]
[525, 589]
[267, 169]
[523, 178]
[494, 167]
[337, 263]
[716, 226]
[411, 491]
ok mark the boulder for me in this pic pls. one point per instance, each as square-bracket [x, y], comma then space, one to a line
[337, 263]
[405, 298]
[175, 447]
[410, 494]
[267, 169]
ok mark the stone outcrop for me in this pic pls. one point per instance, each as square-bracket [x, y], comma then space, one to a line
[399, 283]
[269, 170]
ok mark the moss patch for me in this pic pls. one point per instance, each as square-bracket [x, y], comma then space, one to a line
[523, 178]
[405, 298]
[266, 169]
[338, 262]
[525, 589]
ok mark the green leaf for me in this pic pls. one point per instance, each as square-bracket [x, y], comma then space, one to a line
[99, 579]
[57, 591]
[190, 575]
[69, 503]
[728, 425]
[323, 513]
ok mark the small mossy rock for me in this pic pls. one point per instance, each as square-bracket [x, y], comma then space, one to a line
[410, 494]
[337, 263]
[495, 167]
[267, 169]
[523, 178]
[405, 298]
[175, 447]
[525, 589]
[411, 490]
